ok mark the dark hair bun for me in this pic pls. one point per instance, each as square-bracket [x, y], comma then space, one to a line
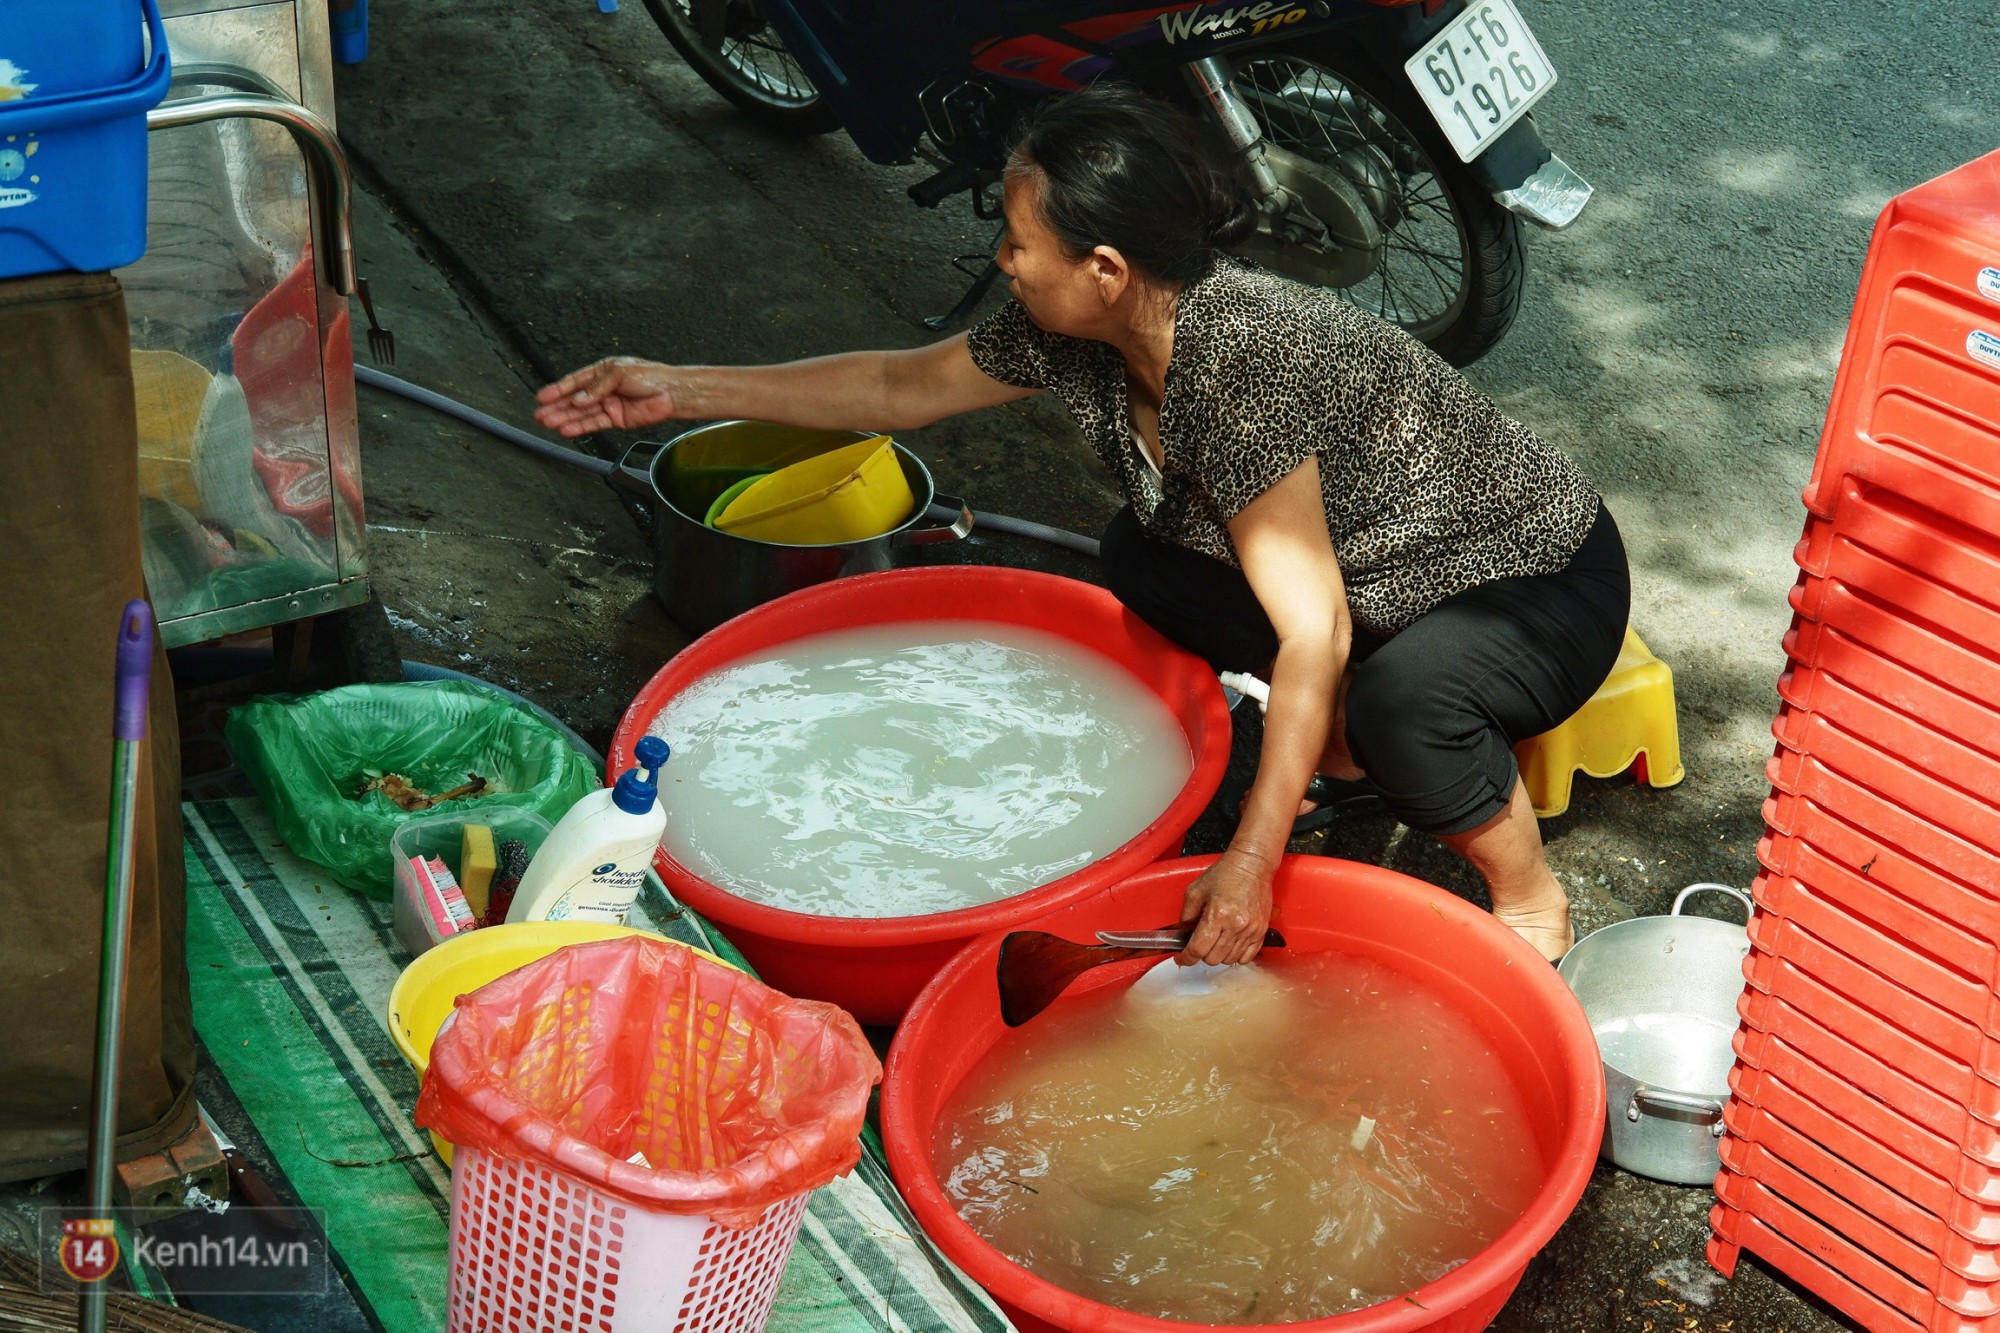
[1146, 178]
[1235, 217]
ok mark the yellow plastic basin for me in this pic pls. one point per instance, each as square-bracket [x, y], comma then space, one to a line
[168, 390]
[848, 495]
[423, 996]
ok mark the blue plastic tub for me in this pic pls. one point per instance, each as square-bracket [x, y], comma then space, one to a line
[348, 20]
[75, 86]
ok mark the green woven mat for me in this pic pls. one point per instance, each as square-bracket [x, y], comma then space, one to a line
[291, 977]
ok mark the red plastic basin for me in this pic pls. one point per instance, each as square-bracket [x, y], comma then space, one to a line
[1489, 974]
[874, 967]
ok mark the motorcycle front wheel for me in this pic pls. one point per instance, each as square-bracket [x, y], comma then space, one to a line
[732, 48]
[1420, 243]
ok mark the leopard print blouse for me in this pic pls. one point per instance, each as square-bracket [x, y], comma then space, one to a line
[1430, 489]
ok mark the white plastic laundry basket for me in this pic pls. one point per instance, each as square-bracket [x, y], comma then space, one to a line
[534, 1250]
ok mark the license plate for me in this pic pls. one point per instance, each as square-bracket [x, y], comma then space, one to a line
[1480, 74]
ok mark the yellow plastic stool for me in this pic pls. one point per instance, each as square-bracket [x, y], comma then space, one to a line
[1628, 723]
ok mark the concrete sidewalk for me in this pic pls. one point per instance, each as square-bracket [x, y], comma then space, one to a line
[546, 184]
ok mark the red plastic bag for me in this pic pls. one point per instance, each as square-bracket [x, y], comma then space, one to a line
[737, 1097]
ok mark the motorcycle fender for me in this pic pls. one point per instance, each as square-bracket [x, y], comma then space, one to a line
[1513, 157]
[1527, 179]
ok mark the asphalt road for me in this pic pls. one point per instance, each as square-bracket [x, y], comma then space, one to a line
[552, 184]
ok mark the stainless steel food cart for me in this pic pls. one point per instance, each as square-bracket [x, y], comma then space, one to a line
[243, 359]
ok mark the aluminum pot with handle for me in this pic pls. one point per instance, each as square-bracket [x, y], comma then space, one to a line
[704, 577]
[1660, 993]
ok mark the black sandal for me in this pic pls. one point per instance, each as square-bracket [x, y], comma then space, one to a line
[1335, 799]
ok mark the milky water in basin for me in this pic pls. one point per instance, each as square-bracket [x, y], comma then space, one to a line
[912, 768]
[1319, 1134]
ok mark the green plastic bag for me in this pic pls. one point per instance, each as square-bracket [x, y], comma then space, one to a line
[310, 755]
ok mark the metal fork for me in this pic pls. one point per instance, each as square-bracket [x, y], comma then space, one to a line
[381, 342]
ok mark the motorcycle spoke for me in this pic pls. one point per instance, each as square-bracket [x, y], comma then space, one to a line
[1389, 295]
[1443, 279]
[1443, 270]
[1427, 192]
[1410, 295]
[1403, 242]
[1435, 212]
[1436, 273]
[1420, 273]
[1437, 261]
[789, 81]
[1412, 279]
[1433, 260]
[763, 62]
[1442, 210]
[1415, 302]
[1321, 88]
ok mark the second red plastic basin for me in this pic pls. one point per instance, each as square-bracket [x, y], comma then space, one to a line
[1483, 970]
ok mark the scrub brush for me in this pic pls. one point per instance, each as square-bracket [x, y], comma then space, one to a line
[506, 879]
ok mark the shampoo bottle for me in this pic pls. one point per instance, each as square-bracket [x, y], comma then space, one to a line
[594, 861]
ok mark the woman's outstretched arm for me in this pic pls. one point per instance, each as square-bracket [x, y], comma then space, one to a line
[1282, 542]
[889, 390]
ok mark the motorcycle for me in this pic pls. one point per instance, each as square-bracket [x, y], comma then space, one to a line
[1389, 144]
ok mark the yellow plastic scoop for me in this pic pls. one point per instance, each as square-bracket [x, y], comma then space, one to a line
[850, 494]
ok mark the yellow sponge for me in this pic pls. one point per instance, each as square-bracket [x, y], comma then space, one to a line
[476, 863]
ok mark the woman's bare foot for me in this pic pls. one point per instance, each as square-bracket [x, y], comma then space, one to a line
[1545, 925]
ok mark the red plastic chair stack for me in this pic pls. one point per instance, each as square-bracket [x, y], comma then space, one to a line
[1862, 1155]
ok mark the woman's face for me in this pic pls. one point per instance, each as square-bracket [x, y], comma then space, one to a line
[1060, 293]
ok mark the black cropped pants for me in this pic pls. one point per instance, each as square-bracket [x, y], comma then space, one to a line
[1433, 711]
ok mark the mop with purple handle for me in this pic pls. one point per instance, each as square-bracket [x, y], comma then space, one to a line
[135, 679]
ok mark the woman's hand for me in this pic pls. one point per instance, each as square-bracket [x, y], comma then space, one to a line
[617, 393]
[1231, 904]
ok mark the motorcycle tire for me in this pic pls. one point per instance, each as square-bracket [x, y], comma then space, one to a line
[753, 70]
[1340, 112]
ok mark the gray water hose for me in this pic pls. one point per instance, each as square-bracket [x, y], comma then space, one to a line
[1021, 527]
[598, 467]
[493, 426]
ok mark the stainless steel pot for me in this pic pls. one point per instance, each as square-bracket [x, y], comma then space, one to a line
[704, 577]
[1660, 993]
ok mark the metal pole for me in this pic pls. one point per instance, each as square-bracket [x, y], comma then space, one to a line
[1210, 80]
[135, 674]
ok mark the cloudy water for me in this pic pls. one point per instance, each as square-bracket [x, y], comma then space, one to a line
[906, 769]
[1313, 1135]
